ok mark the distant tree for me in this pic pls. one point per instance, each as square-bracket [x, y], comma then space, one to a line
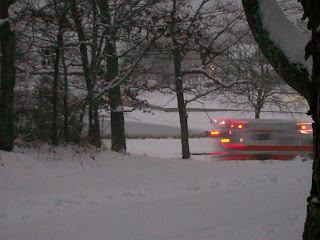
[8, 52]
[262, 86]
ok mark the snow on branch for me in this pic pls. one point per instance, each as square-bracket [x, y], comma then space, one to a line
[2, 21]
[284, 34]
[99, 91]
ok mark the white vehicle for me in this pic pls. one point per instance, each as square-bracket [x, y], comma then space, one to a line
[265, 139]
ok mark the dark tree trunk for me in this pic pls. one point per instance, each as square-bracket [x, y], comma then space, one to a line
[80, 123]
[182, 107]
[257, 112]
[183, 120]
[117, 120]
[312, 224]
[177, 58]
[7, 81]
[94, 126]
[118, 139]
[259, 104]
[65, 99]
[55, 88]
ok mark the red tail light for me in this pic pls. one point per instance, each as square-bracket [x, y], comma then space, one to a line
[240, 126]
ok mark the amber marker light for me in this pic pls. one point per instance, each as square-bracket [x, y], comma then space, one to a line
[214, 133]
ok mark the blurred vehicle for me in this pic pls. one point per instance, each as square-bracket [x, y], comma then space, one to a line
[264, 139]
[221, 127]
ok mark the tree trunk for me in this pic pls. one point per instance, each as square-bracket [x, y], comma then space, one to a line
[118, 139]
[117, 120]
[259, 104]
[54, 138]
[65, 99]
[312, 224]
[183, 120]
[177, 59]
[257, 113]
[181, 106]
[94, 126]
[7, 81]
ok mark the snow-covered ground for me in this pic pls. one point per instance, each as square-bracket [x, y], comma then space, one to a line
[58, 193]
[69, 193]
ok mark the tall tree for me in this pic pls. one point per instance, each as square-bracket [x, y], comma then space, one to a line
[193, 48]
[177, 61]
[89, 69]
[128, 32]
[8, 52]
[282, 51]
[60, 12]
[118, 139]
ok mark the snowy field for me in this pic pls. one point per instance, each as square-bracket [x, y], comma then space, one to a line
[150, 193]
[166, 124]
[74, 194]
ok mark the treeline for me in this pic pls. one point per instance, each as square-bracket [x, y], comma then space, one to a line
[66, 61]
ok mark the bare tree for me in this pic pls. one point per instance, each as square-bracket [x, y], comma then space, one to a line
[61, 11]
[89, 68]
[262, 86]
[191, 49]
[129, 31]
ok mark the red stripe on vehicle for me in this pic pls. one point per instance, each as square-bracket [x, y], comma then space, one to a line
[269, 148]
